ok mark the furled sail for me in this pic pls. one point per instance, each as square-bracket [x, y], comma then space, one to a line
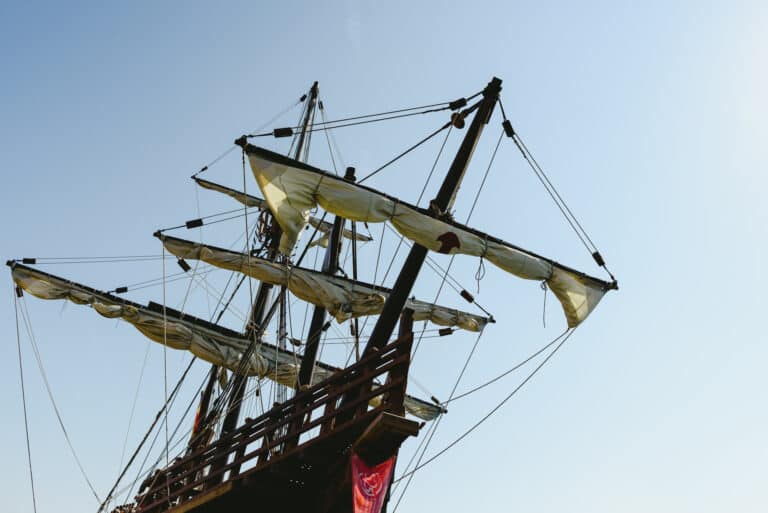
[292, 188]
[342, 297]
[252, 201]
[210, 342]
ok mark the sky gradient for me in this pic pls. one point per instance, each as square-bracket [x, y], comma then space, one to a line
[650, 117]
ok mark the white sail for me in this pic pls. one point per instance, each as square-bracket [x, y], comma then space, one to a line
[292, 189]
[341, 297]
[207, 341]
[252, 201]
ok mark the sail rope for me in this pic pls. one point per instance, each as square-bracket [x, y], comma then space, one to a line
[133, 403]
[141, 472]
[486, 416]
[444, 280]
[262, 127]
[552, 191]
[24, 402]
[169, 402]
[405, 152]
[27, 321]
[369, 118]
[165, 377]
[328, 138]
[509, 371]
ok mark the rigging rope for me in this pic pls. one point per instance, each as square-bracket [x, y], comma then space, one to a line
[28, 325]
[568, 214]
[406, 152]
[133, 405]
[382, 116]
[491, 412]
[159, 414]
[24, 403]
[234, 147]
[437, 422]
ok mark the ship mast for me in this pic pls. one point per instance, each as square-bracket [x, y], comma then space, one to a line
[330, 266]
[262, 297]
[440, 206]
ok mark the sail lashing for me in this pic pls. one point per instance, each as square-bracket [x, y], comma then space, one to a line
[292, 189]
[210, 342]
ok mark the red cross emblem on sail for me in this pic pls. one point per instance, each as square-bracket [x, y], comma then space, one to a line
[369, 484]
[448, 241]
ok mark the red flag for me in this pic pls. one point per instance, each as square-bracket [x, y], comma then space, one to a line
[370, 484]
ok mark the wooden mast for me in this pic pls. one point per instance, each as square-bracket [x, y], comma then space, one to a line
[262, 298]
[330, 266]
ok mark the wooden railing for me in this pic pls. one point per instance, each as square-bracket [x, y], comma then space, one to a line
[309, 417]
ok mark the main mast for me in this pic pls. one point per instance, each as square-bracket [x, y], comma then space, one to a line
[440, 206]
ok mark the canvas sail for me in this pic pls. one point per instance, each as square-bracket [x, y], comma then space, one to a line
[341, 297]
[207, 341]
[292, 189]
[323, 227]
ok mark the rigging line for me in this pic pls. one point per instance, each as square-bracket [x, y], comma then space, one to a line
[295, 137]
[154, 440]
[554, 189]
[406, 152]
[552, 194]
[189, 289]
[366, 116]
[200, 233]
[434, 164]
[177, 277]
[485, 176]
[505, 373]
[444, 273]
[247, 239]
[344, 125]
[453, 391]
[165, 372]
[421, 336]
[213, 292]
[133, 405]
[158, 416]
[234, 147]
[428, 435]
[556, 197]
[24, 404]
[218, 214]
[593, 250]
[122, 257]
[93, 261]
[327, 137]
[244, 359]
[28, 325]
[493, 410]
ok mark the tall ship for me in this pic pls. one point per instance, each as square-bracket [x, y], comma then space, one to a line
[327, 435]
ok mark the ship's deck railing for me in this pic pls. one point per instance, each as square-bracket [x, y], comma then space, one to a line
[312, 414]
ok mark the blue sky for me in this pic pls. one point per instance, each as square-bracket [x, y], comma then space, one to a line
[650, 117]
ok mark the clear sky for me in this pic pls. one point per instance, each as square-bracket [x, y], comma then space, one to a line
[649, 116]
